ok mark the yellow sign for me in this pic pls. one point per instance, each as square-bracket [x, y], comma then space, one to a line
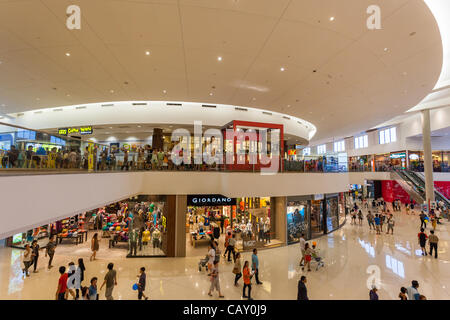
[86, 130]
[73, 130]
[62, 132]
[164, 222]
[91, 157]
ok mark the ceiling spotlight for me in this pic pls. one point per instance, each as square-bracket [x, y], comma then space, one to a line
[288, 105]
[219, 58]
[147, 53]
[110, 127]
[68, 54]
[254, 99]
[282, 69]
[164, 91]
[331, 18]
[210, 93]
[112, 91]
[386, 49]
[138, 126]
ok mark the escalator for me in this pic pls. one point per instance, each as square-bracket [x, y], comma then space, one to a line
[414, 183]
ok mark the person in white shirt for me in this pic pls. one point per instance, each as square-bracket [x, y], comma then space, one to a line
[212, 256]
[249, 229]
[302, 247]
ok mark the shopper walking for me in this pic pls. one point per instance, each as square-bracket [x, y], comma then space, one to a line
[141, 284]
[413, 292]
[370, 221]
[93, 289]
[71, 280]
[237, 268]
[255, 265]
[215, 282]
[422, 217]
[377, 223]
[308, 254]
[433, 240]
[353, 217]
[302, 248]
[247, 281]
[27, 259]
[373, 293]
[35, 254]
[94, 246]
[422, 237]
[79, 276]
[403, 294]
[360, 217]
[390, 224]
[212, 256]
[110, 281]
[302, 292]
[231, 246]
[61, 290]
[50, 251]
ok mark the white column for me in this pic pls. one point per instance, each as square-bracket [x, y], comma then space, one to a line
[427, 157]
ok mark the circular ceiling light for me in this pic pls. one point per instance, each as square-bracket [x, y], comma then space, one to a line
[68, 54]
[210, 93]
[219, 58]
[112, 91]
[386, 49]
[331, 18]
[164, 91]
[147, 53]
[282, 69]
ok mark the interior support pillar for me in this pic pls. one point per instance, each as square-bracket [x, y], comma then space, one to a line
[427, 156]
[180, 226]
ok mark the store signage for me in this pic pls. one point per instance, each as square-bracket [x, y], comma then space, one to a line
[80, 130]
[398, 155]
[210, 200]
[414, 156]
[318, 196]
[292, 152]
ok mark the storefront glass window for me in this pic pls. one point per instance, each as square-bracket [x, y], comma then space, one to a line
[332, 212]
[316, 217]
[297, 220]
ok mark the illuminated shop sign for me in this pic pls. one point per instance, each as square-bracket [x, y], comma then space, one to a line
[398, 155]
[62, 132]
[292, 152]
[80, 130]
[210, 200]
[414, 156]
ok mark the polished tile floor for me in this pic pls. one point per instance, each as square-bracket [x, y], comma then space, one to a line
[347, 253]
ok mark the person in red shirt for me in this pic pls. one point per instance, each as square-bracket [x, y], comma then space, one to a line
[62, 284]
[247, 281]
[422, 241]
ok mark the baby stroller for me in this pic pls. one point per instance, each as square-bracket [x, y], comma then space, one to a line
[315, 257]
[203, 263]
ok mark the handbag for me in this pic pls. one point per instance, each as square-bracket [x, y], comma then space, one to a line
[235, 270]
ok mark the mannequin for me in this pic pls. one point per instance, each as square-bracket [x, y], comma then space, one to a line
[261, 230]
[267, 230]
[134, 235]
[156, 236]
[145, 237]
[248, 229]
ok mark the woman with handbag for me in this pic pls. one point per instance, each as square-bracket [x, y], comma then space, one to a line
[237, 269]
[308, 253]
[247, 281]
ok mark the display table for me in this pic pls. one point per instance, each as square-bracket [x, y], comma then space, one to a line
[195, 242]
[78, 238]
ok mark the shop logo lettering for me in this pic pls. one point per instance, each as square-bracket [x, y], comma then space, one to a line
[73, 21]
[211, 200]
[374, 20]
[213, 151]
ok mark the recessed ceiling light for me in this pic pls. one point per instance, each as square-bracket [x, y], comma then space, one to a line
[219, 58]
[164, 91]
[210, 93]
[282, 69]
[139, 126]
[147, 53]
[68, 54]
[68, 95]
[386, 49]
[331, 18]
[112, 91]
[110, 127]
[288, 105]
[254, 99]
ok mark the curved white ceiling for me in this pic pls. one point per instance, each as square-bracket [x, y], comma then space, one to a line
[161, 113]
[356, 84]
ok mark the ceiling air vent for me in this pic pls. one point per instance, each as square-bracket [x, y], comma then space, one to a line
[287, 118]
[139, 103]
[108, 105]
[174, 104]
[208, 106]
[268, 113]
[60, 109]
[80, 107]
[240, 109]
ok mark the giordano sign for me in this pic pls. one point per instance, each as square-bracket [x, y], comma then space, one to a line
[203, 200]
[80, 130]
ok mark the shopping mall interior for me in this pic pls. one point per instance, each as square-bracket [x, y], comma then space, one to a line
[309, 138]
